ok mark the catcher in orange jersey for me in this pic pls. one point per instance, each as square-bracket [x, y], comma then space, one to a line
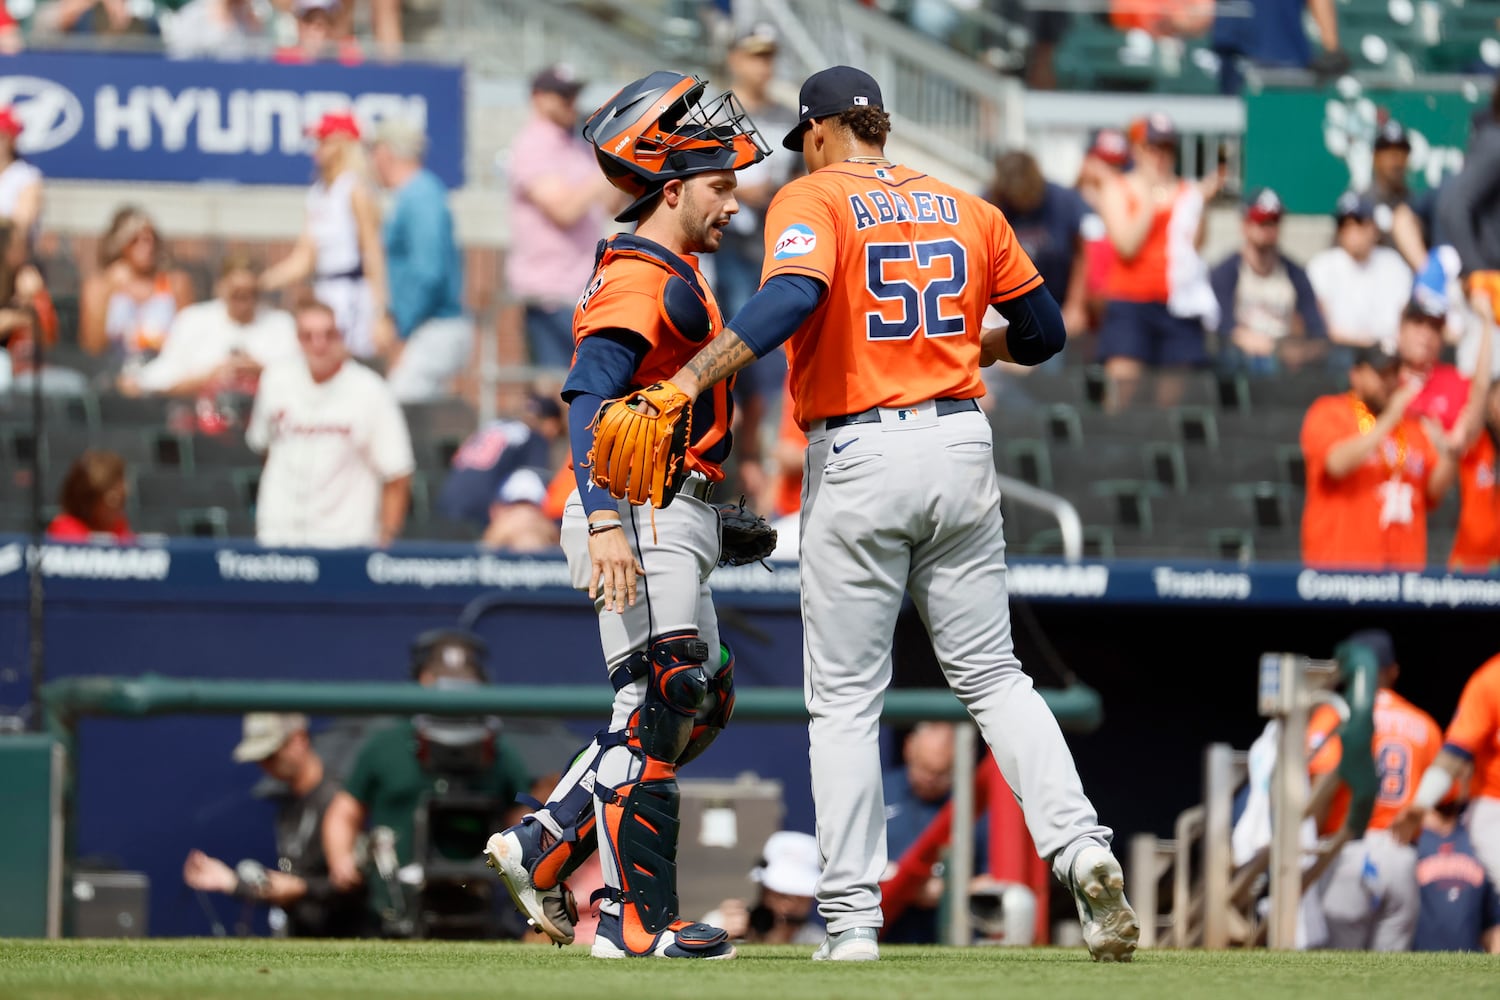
[877, 276]
[646, 310]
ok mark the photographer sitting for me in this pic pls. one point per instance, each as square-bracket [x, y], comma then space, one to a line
[299, 883]
[402, 771]
[782, 911]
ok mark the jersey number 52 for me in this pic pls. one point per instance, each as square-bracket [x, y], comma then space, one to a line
[940, 273]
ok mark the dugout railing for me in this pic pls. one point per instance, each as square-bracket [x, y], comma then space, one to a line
[1215, 902]
[66, 702]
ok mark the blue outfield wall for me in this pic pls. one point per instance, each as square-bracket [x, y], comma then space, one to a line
[1171, 648]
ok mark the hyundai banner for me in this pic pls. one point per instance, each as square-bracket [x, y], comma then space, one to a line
[148, 118]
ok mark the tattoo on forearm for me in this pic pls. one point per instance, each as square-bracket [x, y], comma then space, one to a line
[720, 359]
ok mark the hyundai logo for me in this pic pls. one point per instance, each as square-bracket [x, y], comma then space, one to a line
[49, 112]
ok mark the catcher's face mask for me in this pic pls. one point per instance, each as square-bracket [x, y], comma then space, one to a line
[657, 129]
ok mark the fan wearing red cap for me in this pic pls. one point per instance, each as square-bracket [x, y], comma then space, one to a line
[340, 247]
[20, 186]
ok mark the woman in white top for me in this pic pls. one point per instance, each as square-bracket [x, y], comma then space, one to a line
[340, 247]
[129, 305]
[20, 190]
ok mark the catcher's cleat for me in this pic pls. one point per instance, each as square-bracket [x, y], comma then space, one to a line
[681, 939]
[857, 944]
[1110, 927]
[552, 912]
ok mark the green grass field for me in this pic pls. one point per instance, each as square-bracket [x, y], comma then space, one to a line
[205, 969]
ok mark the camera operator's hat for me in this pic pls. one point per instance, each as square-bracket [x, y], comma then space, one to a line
[263, 733]
[790, 864]
[449, 651]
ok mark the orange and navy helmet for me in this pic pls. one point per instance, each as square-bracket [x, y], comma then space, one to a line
[658, 129]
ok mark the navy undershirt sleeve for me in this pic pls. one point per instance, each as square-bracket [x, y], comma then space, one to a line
[604, 368]
[776, 311]
[581, 412]
[1036, 326]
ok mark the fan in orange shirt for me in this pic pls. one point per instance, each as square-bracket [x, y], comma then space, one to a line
[1369, 896]
[1372, 472]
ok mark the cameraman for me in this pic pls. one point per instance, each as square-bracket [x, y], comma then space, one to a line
[394, 774]
[299, 884]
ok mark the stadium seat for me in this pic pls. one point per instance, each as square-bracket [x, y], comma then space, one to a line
[1166, 463]
[203, 522]
[1235, 544]
[1027, 459]
[223, 451]
[1295, 390]
[440, 418]
[116, 410]
[247, 485]
[171, 489]
[1196, 426]
[1098, 542]
[1074, 470]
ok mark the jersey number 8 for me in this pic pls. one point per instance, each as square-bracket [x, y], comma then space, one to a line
[921, 296]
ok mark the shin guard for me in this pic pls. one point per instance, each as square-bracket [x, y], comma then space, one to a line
[639, 829]
[717, 707]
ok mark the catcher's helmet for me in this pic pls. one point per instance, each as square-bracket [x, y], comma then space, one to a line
[657, 129]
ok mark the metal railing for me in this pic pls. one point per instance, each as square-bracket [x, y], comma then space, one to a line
[1069, 524]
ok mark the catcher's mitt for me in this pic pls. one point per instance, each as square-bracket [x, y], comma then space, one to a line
[744, 536]
[640, 445]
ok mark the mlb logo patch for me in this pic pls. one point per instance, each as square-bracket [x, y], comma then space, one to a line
[861, 102]
[910, 414]
[796, 240]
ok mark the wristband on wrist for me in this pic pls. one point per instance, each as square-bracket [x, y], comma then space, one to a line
[1435, 784]
[600, 527]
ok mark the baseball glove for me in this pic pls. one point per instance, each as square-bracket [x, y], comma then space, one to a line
[744, 536]
[640, 445]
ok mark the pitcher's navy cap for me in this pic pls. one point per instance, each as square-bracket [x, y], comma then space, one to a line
[831, 92]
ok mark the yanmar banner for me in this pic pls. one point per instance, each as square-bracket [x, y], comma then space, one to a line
[149, 118]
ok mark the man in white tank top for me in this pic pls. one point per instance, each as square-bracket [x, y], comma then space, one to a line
[338, 454]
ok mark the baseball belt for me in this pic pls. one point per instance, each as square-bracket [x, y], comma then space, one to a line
[872, 415]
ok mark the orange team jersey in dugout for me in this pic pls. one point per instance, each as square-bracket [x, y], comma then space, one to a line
[626, 293]
[1475, 729]
[1406, 742]
[1477, 546]
[910, 264]
[1376, 516]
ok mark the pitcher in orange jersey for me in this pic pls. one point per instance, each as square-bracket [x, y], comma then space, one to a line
[1369, 896]
[878, 276]
[1471, 751]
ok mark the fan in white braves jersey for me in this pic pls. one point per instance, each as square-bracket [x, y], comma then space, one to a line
[338, 454]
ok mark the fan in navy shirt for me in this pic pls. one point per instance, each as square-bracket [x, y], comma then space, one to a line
[1460, 905]
[1048, 221]
[500, 468]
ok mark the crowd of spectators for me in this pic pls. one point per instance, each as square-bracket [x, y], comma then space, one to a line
[1121, 248]
[291, 31]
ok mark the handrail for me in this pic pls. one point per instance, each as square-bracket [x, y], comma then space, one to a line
[1078, 707]
[1069, 524]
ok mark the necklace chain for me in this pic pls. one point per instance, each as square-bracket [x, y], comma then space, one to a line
[867, 159]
